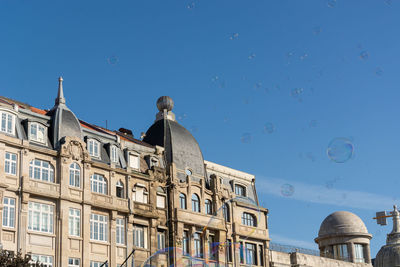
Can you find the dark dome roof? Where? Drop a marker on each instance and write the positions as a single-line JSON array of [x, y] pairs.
[[388, 256], [180, 146], [342, 223]]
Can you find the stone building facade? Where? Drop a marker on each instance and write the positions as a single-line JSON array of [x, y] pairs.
[[76, 194]]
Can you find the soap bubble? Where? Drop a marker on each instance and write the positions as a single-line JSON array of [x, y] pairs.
[[297, 93], [252, 56], [317, 30], [313, 124], [191, 5], [388, 2], [246, 138], [331, 3], [287, 190], [269, 128], [112, 60], [234, 36], [364, 55], [340, 150], [379, 71]]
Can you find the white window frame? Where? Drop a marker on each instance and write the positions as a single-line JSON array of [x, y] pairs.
[[96, 264], [196, 203], [208, 206], [41, 169], [161, 199], [44, 260], [197, 245], [75, 175], [9, 212], [243, 188], [34, 129], [182, 201], [7, 122], [98, 184], [10, 163], [140, 236], [120, 231], [251, 254], [359, 253], [134, 164], [249, 219], [114, 154], [160, 239], [74, 262], [74, 222], [93, 148], [44, 215], [140, 194], [120, 185], [98, 227]]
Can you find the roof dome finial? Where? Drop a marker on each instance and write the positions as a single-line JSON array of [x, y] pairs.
[[60, 97], [165, 102]]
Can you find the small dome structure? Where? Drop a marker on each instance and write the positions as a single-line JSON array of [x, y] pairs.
[[344, 236], [181, 148]]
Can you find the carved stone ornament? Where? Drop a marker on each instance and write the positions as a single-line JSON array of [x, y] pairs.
[[179, 241], [74, 147]]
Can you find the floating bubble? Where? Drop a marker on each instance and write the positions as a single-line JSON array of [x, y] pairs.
[[191, 5], [364, 55], [340, 150], [226, 119], [258, 85], [269, 128], [313, 124], [287, 190], [297, 93], [252, 56], [304, 56], [388, 2], [331, 3], [246, 138], [310, 156], [112, 60], [182, 116], [215, 78], [234, 36], [379, 71], [317, 30]]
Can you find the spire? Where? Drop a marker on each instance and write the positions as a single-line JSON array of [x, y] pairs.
[[60, 97], [394, 236]]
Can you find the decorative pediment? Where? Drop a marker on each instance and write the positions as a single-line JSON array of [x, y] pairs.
[[74, 148]]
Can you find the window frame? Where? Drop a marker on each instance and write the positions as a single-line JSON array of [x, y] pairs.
[[32, 209], [119, 187], [74, 222], [96, 183], [114, 158], [145, 195], [10, 164], [359, 255], [75, 175], [35, 137], [101, 225], [249, 219], [208, 207], [42, 264], [226, 212], [120, 231], [185, 242], [240, 190], [74, 264], [130, 162], [196, 203], [140, 236], [9, 210], [197, 245], [41, 169], [92, 144], [251, 253], [160, 239], [161, 197], [182, 201], [9, 126]]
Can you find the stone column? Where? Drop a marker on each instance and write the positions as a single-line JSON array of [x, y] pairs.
[[129, 240], [351, 251], [113, 233], [23, 225], [367, 253], [86, 212]]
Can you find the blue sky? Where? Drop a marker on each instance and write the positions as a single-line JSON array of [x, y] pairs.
[[315, 70]]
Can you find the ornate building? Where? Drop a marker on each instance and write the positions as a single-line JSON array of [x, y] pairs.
[[75, 194]]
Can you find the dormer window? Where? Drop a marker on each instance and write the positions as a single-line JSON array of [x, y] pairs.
[[134, 161], [37, 132], [94, 148], [7, 122], [240, 190], [114, 154]]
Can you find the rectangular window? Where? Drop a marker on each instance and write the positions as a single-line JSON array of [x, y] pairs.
[[10, 164], [44, 261], [185, 242], [251, 254], [340, 252], [261, 254], [241, 252], [140, 236], [359, 253], [114, 154], [160, 201], [229, 250], [97, 264], [120, 236], [240, 190], [160, 240], [98, 227], [37, 132], [198, 249], [74, 222], [94, 148], [134, 161], [9, 212], [74, 262], [40, 217], [7, 123], [212, 248]]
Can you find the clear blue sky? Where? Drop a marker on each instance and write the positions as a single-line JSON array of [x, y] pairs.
[[315, 70]]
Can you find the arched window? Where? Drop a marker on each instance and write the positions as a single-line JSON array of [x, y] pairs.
[[119, 189], [182, 201], [161, 196], [225, 212], [208, 207], [98, 184], [41, 170], [7, 122], [140, 194], [248, 219], [74, 175], [195, 203]]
